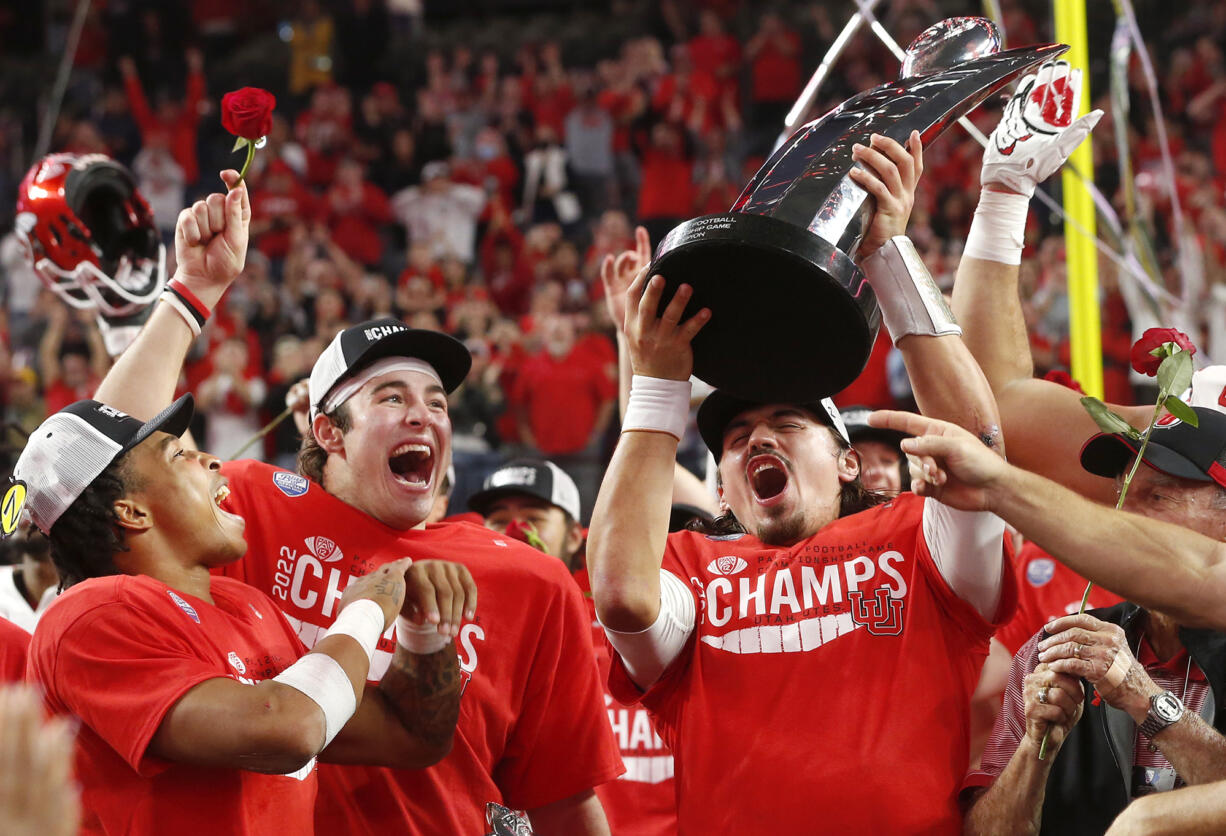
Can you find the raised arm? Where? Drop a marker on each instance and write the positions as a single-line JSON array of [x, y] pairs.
[[1036, 134], [630, 520], [1156, 564], [947, 382], [211, 249]]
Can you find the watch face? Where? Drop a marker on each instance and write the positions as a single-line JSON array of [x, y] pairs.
[[1167, 707]]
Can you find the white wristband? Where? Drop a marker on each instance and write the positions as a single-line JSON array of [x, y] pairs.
[[322, 680], [998, 228], [657, 404], [362, 621], [910, 301], [422, 639], [181, 309]]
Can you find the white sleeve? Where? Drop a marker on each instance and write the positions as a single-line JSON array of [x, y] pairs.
[[966, 547], [648, 653]]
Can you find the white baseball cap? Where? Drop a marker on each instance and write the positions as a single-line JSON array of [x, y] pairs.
[[70, 450]]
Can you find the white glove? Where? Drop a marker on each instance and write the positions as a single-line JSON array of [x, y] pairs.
[[1037, 133]]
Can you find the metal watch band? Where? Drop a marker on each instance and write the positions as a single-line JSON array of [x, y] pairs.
[[1154, 722]]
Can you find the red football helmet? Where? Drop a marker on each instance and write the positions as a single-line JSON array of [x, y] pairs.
[[89, 234]]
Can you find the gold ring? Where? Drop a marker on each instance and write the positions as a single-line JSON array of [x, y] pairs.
[[1043, 696], [1077, 650]]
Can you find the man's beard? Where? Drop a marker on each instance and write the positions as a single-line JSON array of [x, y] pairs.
[[783, 531]]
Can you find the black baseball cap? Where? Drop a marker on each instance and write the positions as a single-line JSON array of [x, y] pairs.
[[534, 477], [1175, 448], [70, 449], [855, 418], [720, 408], [359, 346]]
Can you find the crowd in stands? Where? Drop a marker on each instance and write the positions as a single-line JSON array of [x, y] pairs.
[[469, 172]]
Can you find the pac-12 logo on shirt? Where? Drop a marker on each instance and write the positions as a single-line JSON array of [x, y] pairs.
[[729, 564], [323, 548], [290, 484], [1040, 570], [183, 605]]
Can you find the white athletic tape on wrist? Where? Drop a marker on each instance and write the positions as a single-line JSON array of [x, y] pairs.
[[362, 621], [422, 639], [323, 681], [998, 228], [181, 309], [910, 301], [1118, 671], [658, 405]]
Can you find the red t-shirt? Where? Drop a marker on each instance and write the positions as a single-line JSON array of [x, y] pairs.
[[532, 729], [118, 652], [562, 398], [14, 644], [643, 802], [784, 715], [1046, 589]]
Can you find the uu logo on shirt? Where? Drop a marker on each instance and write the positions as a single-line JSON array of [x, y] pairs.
[[183, 605], [236, 662], [1040, 570], [290, 484]]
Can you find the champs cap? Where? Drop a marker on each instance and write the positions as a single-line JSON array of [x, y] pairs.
[[70, 449], [719, 408], [1175, 448], [361, 345], [534, 477], [855, 419]]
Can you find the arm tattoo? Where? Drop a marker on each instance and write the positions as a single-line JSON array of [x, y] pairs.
[[423, 690]]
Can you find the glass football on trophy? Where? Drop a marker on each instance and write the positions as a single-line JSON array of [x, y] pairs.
[[793, 317]]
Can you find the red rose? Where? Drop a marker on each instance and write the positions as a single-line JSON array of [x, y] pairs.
[[248, 112], [1141, 355], [526, 533], [1064, 379]]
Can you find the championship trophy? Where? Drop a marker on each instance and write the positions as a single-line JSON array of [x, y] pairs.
[[793, 318]]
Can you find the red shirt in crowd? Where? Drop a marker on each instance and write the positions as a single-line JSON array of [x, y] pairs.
[[561, 398], [1046, 589], [282, 209], [118, 652], [872, 387], [823, 683], [354, 220], [14, 643], [668, 186], [532, 729], [774, 72], [59, 394], [643, 801], [182, 132]]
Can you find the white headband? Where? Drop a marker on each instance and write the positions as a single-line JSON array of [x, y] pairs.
[[348, 388]]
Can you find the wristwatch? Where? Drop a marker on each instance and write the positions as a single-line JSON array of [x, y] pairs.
[[1165, 709]]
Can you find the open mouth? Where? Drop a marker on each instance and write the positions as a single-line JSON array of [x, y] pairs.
[[412, 464], [221, 494], [768, 477]]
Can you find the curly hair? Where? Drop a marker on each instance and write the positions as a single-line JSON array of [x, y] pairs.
[[312, 457], [87, 536]]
